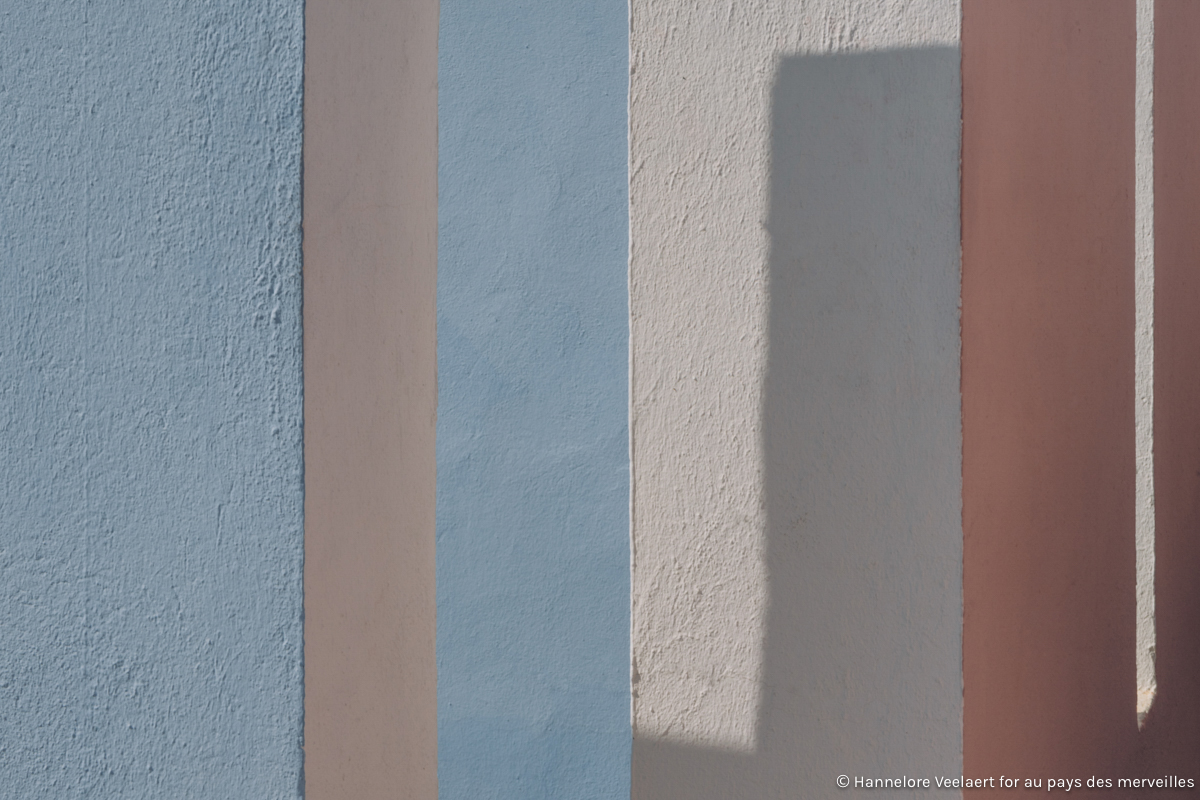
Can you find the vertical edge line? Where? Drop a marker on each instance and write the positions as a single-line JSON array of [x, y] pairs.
[[633, 672], [1147, 685]]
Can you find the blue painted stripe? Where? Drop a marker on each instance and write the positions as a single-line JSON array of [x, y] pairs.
[[532, 522], [151, 499]]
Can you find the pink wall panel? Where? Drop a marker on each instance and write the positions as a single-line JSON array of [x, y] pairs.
[[1047, 379]]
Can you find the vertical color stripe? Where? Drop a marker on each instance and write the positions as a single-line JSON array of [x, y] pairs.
[[1048, 369], [795, 401], [151, 498], [532, 447], [1144, 353], [1171, 737], [370, 381]]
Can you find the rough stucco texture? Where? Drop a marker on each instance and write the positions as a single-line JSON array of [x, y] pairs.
[[532, 437], [150, 399], [795, 409], [1172, 730]]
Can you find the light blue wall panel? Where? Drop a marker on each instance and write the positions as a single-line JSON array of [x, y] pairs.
[[150, 399], [532, 542]]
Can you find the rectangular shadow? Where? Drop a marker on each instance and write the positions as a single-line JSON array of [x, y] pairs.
[[861, 436]]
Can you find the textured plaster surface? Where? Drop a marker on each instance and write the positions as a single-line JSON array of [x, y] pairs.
[[150, 399], [1171, 737], [1143, 410], [532, 439], [370, 396], [795, 403]]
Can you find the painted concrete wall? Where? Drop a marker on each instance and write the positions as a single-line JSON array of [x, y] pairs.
[[370, 398], [795, 395], [532, 439], [150, 399], [1172, 734], [1048, 387]]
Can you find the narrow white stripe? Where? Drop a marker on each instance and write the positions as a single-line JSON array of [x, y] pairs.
[[1144, 355]]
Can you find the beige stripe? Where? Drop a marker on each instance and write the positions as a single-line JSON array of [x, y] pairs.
[[1144, 354]]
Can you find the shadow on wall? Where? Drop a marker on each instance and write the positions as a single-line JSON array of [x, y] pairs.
[[861, 435]]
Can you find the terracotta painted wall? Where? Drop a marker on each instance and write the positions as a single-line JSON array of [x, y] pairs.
[[1048, 368], [1047, 381]]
